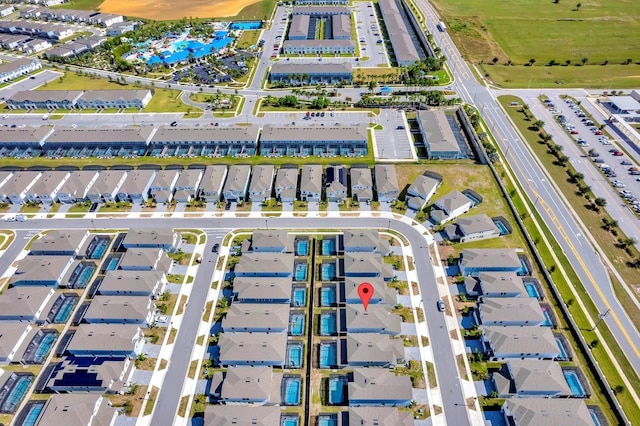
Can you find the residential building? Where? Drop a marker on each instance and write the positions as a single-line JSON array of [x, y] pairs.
[[35, 45], [262, 290], [374, 387], [266, 241], [322, 2], [26, 304], [217, 142], [237, 183], [377, 318], [265, 265], [439, 139], [311, 183], [60, 243], [105, 188], [6, 10], [121, 99], [381, 293], [212, 183], [12, 70], [530, 378], [403, 46], [325, 46], [46, 188], [12, 337], [77, 409], [362, 265], [341, 27], [132, 283], [248, 385], [386, 183], [41, 270], [365, 241], [373, 350], [286, 186], [450, 206], [224, 415], [544, 411], [37, 29], [327, 73], [186, 189], [256, 318], [320, 11], [510, 311], [166, 239], [145, 259], [472, 228], [261, 183], [76, 188], [379, 416], [361, 184], [16, 188], [348, 141], [102, 375], [44, 99], [120, 310], [500, 284], [474, 261], [106, 341], [336, 183], [114, 140], [122, 27], [161, 189], [136, 186], [422, 189], [257, 349], [519, 342], [23, 140]]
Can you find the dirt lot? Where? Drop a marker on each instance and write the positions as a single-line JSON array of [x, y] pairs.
[[172, 9]]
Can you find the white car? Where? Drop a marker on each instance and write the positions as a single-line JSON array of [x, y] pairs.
[[10, 219]]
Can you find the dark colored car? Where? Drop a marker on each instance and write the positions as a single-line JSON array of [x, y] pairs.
[[215, 248], [227, 206], [440, 305]]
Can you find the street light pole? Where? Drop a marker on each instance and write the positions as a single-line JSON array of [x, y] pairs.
[[93, 224], [601, 317]]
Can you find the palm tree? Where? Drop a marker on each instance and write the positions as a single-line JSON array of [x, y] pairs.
[[626, 242], [539, 124], [609, 224], [600, 202]]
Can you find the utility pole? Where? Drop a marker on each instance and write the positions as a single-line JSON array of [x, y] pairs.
[[600, 319]]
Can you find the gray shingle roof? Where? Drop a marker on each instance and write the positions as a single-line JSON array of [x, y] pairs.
[[490, 258], [311, 178], [437, 132], [516, 340], [376, 316], [324, 68], [273, 133], [379, 416], [531, 376], [225, 415], [265, 262], [24, 301], [253, 347], [452, 201], [76, 409], [544, 412], [265, 239], [510, 309], [501, 282], [373, 347], [247, 316], [262, 288], [68, 240], [379, 384], [475, 224], [104, 337], [253, 383], [117, 307]]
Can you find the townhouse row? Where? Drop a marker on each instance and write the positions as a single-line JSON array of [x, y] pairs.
[[91, 17], [212, 184]]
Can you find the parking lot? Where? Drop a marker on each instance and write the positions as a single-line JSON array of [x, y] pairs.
[[394, 140]]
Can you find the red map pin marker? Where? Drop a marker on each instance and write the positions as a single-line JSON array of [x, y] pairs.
[[365, 291]]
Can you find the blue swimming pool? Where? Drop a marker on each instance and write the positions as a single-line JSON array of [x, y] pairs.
[[44, 346], [328, 247], [290, 421], [303, 248], [524, 270], [65, 310], [113, 264], [34, 412], [594, 417], [292, 391], [296, 325], [328, 355], [327, 420], [328, 324], [563, 351], [328, 272], [503, 229], [294, 356], [99, 249], [328, 296], [574, 383], [301, 272], [336, 390], [17, 386], [248, 25], [299, 297], [547, 322], [532, 291], [81, 275]]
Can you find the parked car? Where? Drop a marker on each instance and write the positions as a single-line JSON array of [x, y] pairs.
[[440, 305], [626, 163], [215, 248]]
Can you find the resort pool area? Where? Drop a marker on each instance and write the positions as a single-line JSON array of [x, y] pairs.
[[328, 247], [96, 250], [328, 296], [39, 347], [574, 383], [328, 324], [294, 356], [532, 291], [328, 272], [328, 355], [336, 390], [302, 248], [247, 25], [81, 275], [299, 297], [14, 390], [291, 390], [300, 272], [296, 325]]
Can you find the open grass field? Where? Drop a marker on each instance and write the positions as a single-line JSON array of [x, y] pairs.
[[80, 5], [520, 30]]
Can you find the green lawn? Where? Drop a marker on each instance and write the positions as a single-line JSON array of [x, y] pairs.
[[261, 10], [248, 38], [81, 5], [521, 30]]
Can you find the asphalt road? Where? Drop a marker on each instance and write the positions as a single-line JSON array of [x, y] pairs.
[[454, 408], [578, 249]]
